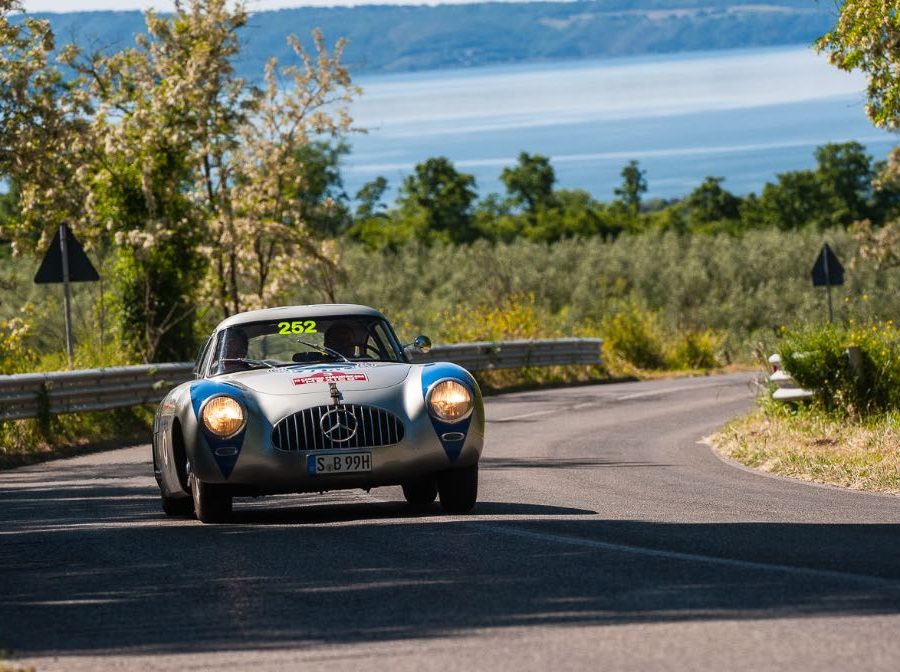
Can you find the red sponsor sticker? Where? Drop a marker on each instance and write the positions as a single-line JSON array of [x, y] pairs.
[[331, 377]]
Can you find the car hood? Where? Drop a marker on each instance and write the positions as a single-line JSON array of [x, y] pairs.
[[300, 379]]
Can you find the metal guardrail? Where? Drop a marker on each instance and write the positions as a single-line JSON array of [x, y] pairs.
[[786, 388], [30, 395], [484, 356]]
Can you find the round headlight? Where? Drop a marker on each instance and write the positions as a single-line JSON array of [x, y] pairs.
[[223, 416], [450, 401]]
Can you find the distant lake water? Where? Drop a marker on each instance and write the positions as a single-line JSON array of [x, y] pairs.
[[744, 115]]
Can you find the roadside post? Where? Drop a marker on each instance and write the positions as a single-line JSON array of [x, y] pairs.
[[827, 271], [66, 262]]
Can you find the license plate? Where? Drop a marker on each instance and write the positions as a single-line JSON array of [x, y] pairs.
[[339, 463]]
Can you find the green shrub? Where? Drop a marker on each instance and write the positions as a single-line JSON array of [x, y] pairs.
[[696, 349], [633, 335], [515, 317], [821, 359]]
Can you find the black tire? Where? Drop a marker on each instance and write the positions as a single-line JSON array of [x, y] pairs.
[[458, 489], [212, 504], [178, 507], [420, 493]]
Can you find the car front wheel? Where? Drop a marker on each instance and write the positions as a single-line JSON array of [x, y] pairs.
[[458, 489], [177, 507], [211, 503], [420, 493]]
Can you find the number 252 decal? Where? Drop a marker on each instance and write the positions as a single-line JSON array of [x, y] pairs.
[[297, 327]]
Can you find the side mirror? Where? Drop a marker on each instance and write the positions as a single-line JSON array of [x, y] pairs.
[[422, 344]]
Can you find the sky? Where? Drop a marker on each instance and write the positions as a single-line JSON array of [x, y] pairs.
[[166, 5]]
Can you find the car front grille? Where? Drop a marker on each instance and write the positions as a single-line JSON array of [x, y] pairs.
[[329, 427]]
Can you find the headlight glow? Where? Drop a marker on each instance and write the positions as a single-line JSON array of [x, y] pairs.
[[223, 416], [450, 401]]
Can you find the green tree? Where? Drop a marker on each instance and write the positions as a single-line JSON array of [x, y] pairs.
[[438, 200], [369, 198], [634, 186], [373, 225], [45, 135], [839, 191], [671, 217], [886, 185], [320, 192], [494, 221], [847, 177], [576, 215], [796, 201], [710, 207], [865, 38], [530, 183], [157, 266], [9, 206]]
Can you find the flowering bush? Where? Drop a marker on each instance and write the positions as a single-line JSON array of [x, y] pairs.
[[854, 370], [633, 335], [514, 317], [696, 349], [15, 354], [635, 338]]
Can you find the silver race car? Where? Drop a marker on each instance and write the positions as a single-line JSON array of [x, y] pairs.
[[316, 398]]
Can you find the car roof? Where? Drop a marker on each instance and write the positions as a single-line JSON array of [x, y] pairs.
[[295, 312]]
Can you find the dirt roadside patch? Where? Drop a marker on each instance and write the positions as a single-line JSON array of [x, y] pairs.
[[814, 447]]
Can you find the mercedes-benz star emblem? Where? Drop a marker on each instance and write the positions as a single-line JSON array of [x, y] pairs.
[[339, 425]]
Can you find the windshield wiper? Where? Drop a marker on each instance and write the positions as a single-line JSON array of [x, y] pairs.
[[251, 362], [324, 350]]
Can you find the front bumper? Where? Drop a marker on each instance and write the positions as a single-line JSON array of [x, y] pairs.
[[261, 468]]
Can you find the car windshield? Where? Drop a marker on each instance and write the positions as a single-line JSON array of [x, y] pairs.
[[299, 340]]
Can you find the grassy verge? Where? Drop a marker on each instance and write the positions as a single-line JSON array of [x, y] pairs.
[[25, 442], [811, 445], [7, 666]]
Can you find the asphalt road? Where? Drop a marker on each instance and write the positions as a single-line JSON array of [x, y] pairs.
[[606, 537]]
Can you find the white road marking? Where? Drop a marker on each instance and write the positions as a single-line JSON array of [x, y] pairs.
[[595, 402], [533, 414], [688, 557], [655, 393]]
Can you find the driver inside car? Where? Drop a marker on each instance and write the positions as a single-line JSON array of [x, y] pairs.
[[340, 338]]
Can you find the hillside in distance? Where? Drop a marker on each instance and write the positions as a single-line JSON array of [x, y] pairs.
[[391, 38]]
